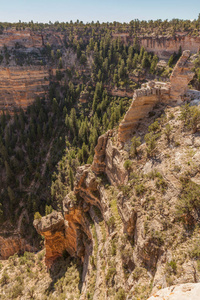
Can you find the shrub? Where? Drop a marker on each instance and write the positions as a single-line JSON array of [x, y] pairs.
[[167, 132], [111, 222], [5, 278], [154, 127], [189, 198], [111, 272], [172, 264], [127, 164], [140, 189], [161, 184], [195, 252], [150, 140], [135, 144], [37, 216], [120, 294]]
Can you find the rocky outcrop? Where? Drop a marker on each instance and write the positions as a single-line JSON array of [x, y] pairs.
[[63, 233], [181, 76], [178, 292], [144, 99], [14, 244], [108, 160], [53, 228], [19, 86]]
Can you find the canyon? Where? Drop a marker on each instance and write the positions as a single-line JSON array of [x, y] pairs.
[[113, 226], [100, 195], [20, 85]]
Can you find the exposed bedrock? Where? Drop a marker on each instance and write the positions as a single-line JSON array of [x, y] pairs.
[[108, 159], [19, 86], [165, 46], [144, 99], [14, 244], [179, 292]]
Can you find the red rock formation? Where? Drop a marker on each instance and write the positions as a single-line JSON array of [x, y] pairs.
[[52, 227], [64, 233], [98, 165], [10, 246]]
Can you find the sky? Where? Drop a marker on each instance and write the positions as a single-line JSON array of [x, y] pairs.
[[93, 10]]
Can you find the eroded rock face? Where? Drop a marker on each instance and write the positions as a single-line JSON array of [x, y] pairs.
[[10, 246], [98, 165], [108, 160], [114, 161], [144, 99], [181, 76], [165, 46], [53, 228], [19, 86], [69, 232], [179, 292]]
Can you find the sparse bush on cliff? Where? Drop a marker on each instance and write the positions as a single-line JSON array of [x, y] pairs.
[[150, 140], [120, 295], [5, 278], [167, 132], [136, 142], [189, 200], [127, 165], [37, 216]]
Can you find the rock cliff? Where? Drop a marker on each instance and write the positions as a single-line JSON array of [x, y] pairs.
[[153, 93], [166, 46], [123, 223], [19, 86]]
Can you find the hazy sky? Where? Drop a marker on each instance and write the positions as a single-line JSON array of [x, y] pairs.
[[93, 10]]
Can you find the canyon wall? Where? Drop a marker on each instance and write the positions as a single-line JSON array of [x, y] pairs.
[[19, 86], [165, 46], [144, 99], [28, 39]]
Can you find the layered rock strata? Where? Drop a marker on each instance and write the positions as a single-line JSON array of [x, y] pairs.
[[19, 86], [64, 233], [150, 94]]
